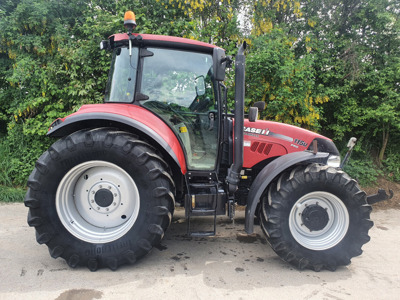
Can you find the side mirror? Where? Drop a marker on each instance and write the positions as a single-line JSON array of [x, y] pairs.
[[253, 111], [219, 64], [200, 86], [260, 105], [253, 114]]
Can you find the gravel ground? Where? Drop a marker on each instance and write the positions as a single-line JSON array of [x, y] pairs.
[[230, 265]]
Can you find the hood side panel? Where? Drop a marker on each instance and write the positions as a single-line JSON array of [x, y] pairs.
[[267, 139]]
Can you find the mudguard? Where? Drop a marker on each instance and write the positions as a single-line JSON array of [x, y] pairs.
[[127, 115], [271, 171]]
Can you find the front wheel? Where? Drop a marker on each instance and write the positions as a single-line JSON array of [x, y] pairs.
[[100, 198], [316, 217]]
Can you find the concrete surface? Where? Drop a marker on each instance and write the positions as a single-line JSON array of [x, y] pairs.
[[230, 265]]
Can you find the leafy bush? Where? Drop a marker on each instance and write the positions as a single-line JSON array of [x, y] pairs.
[[9, 194], [5, 164], [392, 166], [18, 154], [363, 170]]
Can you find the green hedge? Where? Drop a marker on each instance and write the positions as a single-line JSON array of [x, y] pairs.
[[9, 194]]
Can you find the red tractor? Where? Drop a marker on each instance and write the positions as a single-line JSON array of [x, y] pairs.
[[104, 193]]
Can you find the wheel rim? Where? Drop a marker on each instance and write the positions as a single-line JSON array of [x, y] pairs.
[[97, 202], [319, 220]]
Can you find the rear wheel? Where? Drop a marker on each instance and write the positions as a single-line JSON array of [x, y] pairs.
[[316, 217], [100, 198]]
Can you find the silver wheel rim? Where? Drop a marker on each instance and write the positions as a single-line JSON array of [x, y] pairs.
[[331, 233], [97, 202]]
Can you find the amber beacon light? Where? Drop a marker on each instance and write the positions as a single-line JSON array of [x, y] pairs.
[[130, 21]]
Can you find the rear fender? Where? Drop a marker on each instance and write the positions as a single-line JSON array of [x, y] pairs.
[[129, 117], [269, 173]]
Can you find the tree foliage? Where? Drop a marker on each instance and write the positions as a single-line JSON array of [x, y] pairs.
[[284, 82], [357, 48]]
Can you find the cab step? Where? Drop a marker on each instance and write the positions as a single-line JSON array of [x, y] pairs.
[[204, 198], [200, 206]]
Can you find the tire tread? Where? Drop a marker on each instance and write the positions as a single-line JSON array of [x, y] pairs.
[[275, 212], [157, 212]]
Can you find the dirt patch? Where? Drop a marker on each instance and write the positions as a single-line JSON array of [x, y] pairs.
[[387, 185]]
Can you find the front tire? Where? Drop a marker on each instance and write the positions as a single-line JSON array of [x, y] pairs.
[[316, 217], [100, 198]]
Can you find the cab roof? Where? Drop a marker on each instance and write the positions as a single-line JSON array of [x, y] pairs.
[[120, 39]]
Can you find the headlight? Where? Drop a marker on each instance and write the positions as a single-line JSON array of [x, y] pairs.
[[334, 161]]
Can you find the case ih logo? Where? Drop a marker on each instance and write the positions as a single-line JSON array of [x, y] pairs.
[[257, 131]]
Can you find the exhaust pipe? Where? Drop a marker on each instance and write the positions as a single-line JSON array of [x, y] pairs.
[[233, 177]]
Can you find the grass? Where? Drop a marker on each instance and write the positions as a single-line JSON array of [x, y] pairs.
[[10, 194]]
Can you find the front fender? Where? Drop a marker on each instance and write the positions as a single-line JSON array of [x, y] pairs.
[[269, 173], [128, 116]]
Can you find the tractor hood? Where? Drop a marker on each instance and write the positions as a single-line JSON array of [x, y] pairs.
[[266, 140]]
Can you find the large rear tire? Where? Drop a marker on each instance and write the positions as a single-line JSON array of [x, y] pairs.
[[100, 198], [316, 217]]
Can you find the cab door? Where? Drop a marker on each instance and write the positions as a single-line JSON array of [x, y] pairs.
[[178, 86]]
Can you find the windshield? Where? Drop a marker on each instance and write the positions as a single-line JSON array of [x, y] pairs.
[[122, 78], [171, 76]]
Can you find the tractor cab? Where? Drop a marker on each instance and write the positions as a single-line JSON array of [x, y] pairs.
[[176, 82]]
